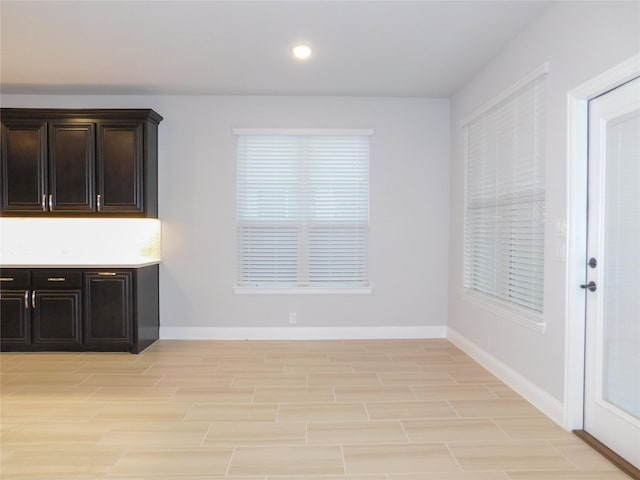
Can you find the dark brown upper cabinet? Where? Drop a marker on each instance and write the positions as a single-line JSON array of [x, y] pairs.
[[79, 162], [120, 164], [71, 167], [23, 166]]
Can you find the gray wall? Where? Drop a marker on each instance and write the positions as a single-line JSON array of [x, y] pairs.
[[579, 40], [409, 211]]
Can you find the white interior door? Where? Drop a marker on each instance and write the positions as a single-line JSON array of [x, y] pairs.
[[612, 350]]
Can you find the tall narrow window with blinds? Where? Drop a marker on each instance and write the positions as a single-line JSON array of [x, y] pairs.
[[505, 200], [303, 209]]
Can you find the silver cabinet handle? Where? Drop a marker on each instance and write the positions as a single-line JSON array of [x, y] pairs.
[[26, 300], [33, 299], [99, 200], [6, 279], [107, 274], [51, 202], [56, 279], [44, 202]]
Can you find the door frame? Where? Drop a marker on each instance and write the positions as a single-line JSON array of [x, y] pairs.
[[577, 154]]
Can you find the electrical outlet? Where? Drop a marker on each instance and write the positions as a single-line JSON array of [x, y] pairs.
[[292, 318]]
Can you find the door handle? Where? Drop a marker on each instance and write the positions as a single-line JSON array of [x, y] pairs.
[[591, 286], [26, 300], [33, 299]]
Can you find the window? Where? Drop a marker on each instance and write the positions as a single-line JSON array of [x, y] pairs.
[[303, 209], [505, 200]]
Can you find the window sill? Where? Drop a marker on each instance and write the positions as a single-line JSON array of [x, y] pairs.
[[505, 311], [302, 290]]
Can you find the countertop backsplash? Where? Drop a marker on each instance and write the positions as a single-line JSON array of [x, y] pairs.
[[79, 242]]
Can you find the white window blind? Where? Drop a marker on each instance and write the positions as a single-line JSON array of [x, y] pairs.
[[303, 210], [505, 200]]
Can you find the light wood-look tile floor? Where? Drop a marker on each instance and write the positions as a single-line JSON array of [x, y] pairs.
[[270, 410]]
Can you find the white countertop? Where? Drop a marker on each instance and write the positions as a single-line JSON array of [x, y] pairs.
[[130, 264]]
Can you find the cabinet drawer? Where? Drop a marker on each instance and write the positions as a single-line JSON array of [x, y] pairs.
[[53, 279], [14, 279]]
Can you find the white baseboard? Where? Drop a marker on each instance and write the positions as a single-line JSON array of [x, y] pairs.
[[300, 333], [544, 402]]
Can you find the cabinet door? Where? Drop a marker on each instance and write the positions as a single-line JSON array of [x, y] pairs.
[[120, 168], [56, 317], [15, 325], [23, 169], [15, 313], [71, 167], [108, 307]]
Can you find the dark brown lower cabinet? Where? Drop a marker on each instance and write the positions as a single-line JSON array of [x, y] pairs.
[[79, 309], [107, 305], [15, 318], [15, 307], [56, 301], [56, 318]]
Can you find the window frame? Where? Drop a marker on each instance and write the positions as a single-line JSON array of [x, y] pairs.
[[492, 303], [300, 288]]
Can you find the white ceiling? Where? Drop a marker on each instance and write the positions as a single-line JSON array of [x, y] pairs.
[[379, 48]]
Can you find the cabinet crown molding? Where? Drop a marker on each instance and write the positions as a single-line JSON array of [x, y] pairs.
[[83, 113]]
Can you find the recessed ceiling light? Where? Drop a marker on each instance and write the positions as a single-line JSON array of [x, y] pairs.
[[301, 52]]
